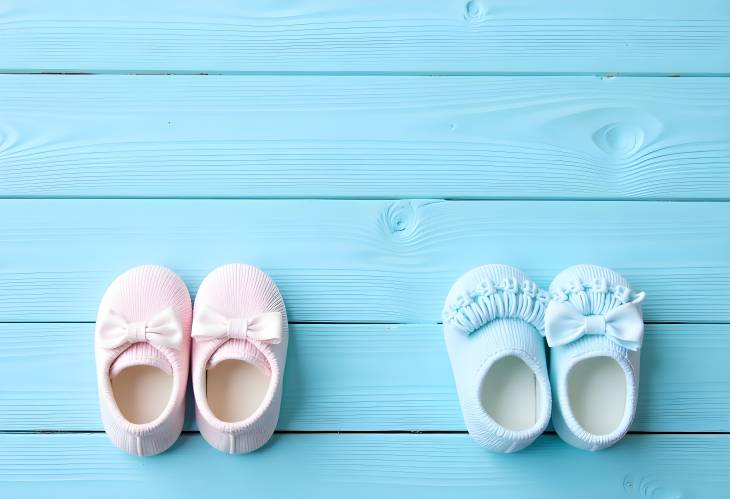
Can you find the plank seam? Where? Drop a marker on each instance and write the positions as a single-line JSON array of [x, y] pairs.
[[365, 198], [132, 72], [348, 432], [364, 323]]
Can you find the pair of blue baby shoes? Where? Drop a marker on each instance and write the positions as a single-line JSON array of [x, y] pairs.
[[495, 319]]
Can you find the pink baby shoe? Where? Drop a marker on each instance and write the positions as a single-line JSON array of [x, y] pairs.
[[240, 336], [142, 345]]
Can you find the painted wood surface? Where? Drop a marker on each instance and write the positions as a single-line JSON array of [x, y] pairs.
[[360, 261], [365, 137], [361, 377], [423, 36], [365, 154], [366, 466]]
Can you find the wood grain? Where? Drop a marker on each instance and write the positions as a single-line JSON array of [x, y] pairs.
[[365, 137], [425, 36], [316, 139], [359, 261], [352, 377], [366, 466]]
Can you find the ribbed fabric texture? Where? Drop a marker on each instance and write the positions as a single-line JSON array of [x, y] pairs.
[[239, 291], [140, 354], [140, 441], [138, 295], [239, 350], [593, 290], [493, 292], [488, 317]]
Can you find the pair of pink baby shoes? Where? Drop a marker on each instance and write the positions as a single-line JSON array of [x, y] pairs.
[[143, 349]]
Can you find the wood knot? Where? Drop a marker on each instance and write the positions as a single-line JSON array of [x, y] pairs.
[[400, 218], [620, 140], [474, 10]]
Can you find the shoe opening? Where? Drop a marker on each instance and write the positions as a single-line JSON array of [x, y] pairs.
[[597, 394], [141, 392], [236, 389], [510, 395]]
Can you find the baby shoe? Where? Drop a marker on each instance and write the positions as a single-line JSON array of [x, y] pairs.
[[142, 346], [594, 327], [493, 323], [240, 337]]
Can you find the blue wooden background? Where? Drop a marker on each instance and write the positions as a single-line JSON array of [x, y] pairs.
[[365, 153]]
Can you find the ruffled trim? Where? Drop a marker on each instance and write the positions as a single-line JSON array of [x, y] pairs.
[[508, 299], [600, 285]]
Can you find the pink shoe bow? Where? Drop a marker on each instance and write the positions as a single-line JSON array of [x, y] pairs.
[[209, 324], [164, 329]]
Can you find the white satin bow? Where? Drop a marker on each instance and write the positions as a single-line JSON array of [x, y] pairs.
[[624, 325], [209, 324], [164, 329]]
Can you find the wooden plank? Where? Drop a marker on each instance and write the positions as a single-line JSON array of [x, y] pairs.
[[365, 137], [359, 261], [352, 377], [431, 36], [366, 466]]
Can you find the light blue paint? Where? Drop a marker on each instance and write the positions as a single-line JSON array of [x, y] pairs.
[[377, 36], [327, 131], [360, 261], [365, 137], [366, 466]]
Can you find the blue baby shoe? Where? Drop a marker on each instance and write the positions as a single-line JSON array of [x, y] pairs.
[[493, 326], [594, 326]]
